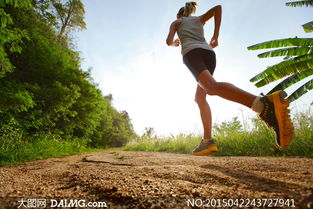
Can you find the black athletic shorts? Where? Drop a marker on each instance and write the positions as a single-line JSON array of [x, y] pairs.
[[198, 60]]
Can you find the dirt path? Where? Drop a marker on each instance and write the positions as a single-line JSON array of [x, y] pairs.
[[158, 180]]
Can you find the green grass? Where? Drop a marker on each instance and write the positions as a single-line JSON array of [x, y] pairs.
[[234, 140], [15, 149]]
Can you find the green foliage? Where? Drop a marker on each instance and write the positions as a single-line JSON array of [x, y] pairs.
[[298, 63], [308, 27], [15, 149], [15, 97], [306, 3], [301, 91], [233, 140], [291, 80], [10, 37], [181, 143], [69, 16], [48, 100], [16, 3], [304, 42], [117, 129], [227, 127], [64, 16]]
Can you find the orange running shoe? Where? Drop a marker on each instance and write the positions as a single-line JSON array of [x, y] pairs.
[[205, 148], [276, 116]]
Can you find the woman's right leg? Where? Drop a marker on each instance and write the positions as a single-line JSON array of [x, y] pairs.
[[272, 110], [225, 90]]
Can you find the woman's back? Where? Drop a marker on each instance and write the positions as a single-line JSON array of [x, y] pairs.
[[191, 34]]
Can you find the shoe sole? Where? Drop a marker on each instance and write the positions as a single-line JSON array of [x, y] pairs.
[[211, 149], [285, 125]]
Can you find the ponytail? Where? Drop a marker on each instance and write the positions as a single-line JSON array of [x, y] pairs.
[[190, 8]]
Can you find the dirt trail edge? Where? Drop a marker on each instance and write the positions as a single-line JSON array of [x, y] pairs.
[[158, 180]]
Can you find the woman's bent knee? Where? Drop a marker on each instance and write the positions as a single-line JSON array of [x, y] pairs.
[[211, 92], [211, 88]]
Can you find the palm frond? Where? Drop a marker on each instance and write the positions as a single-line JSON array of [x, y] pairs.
[[283, 43], [308, 27], [286, 65], [282, 73], [297, 63], [301, 91], [289, 52], [292, 80], [300, 3]]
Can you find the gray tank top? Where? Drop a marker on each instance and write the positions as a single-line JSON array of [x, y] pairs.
[[190, 33]]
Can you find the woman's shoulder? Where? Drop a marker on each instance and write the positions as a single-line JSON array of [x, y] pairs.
[[177, 22]]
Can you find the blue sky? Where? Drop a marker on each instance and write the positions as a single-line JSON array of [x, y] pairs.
[[124, 44]]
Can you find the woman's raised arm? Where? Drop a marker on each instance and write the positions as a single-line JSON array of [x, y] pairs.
[[215, 12]]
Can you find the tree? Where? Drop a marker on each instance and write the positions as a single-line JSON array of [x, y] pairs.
[[10, 37], [48, 92], [70, 15], [297, 64], [64, 16]]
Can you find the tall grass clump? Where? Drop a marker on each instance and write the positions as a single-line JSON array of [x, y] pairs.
[[235, 139], [181, 143], [16, 147], [303, 141]]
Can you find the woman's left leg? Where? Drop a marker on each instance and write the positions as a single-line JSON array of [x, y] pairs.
[[207, 145], [205, 112]]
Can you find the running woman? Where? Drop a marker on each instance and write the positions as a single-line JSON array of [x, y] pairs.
[[199, 57]]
